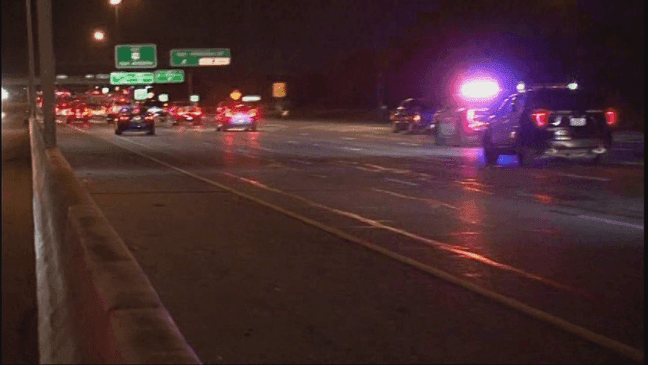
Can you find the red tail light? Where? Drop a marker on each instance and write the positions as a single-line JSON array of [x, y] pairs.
[[473, 121], [611, 117], [148, 117], [540, 117]]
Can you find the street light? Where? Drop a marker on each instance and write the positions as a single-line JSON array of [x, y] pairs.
[[99, 35], [116, 3]]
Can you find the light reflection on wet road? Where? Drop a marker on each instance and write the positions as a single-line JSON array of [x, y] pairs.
[[560, 236]]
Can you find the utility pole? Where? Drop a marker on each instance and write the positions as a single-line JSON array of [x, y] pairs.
[[31, 94], [47, 69]]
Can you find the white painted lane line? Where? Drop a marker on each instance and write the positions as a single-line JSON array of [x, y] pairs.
[[265, 149], [348, 138], [409, 144], [402, 182], [352, 148], [292, 142], [574, 176], [632, 163], [426, 200], [301, 162], [558, 322], [610, 221]]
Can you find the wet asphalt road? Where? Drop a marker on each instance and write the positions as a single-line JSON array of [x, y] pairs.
[[279, 275]]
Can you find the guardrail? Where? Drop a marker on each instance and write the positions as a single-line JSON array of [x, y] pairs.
[[95, 304]]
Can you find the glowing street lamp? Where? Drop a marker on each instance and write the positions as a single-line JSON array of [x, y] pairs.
[[99, 35], [5, 94]]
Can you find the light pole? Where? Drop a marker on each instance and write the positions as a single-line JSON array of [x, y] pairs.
[[116, 3], [47, 69], [31, 95]]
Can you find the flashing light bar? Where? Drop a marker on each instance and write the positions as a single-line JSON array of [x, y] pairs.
[[480, 89]]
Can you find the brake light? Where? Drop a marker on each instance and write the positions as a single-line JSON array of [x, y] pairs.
[[611, 116], [540, 117], [229, 113], [148, 117], [253, 112], [123, 117], [197, 111]]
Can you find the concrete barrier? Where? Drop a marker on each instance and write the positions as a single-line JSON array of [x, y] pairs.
[[95, 304]]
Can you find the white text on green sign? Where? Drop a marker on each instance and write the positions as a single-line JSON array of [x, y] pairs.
[[136, 56], [200, 57], [132, 78], [169, 76]]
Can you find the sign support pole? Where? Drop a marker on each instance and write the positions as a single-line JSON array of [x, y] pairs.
[[190, 81], [47, 70]]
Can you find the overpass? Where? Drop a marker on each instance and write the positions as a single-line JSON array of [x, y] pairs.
[[69, 80]]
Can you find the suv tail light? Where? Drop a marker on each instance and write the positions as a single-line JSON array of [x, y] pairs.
[[611, 117], [197, 111], [540, 117]]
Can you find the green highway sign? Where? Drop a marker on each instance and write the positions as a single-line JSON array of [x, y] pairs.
[[140, 94], [132, 78], [194, 98], [169, 76], [135, 56], [163, 98], [200, 57]]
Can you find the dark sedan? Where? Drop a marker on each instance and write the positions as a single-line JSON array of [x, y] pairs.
[[238, 115], [459, 125], [78, 112], [134, 119], [413, 115]]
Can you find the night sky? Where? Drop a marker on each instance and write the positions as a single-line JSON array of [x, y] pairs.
[[336, 49]]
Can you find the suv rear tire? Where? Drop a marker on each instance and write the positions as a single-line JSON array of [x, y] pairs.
[[490, 152], [526, 156]]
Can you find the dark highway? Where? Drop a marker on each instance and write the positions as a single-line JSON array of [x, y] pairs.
[[339, 242]]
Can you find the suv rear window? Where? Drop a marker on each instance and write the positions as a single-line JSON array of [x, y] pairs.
[[562, 99]]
